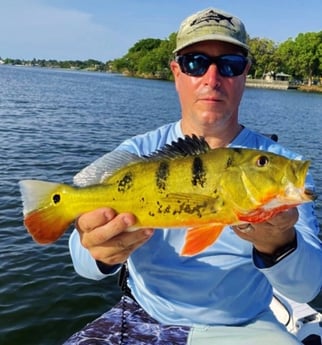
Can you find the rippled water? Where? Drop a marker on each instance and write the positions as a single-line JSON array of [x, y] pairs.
[[53, 123]]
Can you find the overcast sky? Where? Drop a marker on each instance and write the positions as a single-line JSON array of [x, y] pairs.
[[106, 29]]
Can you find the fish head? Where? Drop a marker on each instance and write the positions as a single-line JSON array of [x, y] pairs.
[[264, 180]]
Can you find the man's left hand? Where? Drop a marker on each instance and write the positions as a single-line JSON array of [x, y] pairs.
[[267, 237]]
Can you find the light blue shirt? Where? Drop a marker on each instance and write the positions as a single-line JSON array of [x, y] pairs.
[[225, 284]]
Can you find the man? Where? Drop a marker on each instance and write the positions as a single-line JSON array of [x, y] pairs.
[[222, 295]]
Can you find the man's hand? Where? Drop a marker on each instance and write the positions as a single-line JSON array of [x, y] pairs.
[[104, 233], [269, 236]]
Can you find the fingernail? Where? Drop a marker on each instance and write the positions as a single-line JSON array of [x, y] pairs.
[[127, 221], [148, 232], [109, 214]]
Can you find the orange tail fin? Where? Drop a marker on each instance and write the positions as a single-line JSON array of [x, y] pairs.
[[44, 217], [44, 227]]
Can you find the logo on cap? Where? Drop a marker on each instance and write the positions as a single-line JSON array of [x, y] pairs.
[[212, 15]]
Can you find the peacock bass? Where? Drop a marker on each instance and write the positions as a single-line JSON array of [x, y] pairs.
[[186, 184]]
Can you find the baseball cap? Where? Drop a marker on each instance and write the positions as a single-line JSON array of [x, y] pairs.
[[211, 24]]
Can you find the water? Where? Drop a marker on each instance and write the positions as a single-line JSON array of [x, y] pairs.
[[55, 122]]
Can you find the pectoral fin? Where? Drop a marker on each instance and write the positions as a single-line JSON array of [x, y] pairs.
[[199, 238]]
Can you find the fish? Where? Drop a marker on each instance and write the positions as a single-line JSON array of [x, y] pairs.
[[186, 184]]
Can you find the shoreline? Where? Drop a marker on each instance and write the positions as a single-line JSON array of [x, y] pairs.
[[312, 88], [281, 85]]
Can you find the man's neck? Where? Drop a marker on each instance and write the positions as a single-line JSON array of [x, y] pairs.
[[215, 137]]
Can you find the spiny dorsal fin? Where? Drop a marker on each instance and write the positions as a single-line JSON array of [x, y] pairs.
[[105, 166], [187, 146]]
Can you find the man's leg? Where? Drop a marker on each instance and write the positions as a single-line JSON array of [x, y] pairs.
[[127, 323], [265, 330]]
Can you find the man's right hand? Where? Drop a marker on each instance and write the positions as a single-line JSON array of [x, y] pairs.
[[104, 233]]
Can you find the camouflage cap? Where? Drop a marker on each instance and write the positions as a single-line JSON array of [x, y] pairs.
[[211, 24]]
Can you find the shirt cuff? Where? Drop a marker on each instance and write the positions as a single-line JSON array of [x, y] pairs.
[[263, 260]]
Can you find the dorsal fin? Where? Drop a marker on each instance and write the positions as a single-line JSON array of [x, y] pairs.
[[105, 166], [187, 146]]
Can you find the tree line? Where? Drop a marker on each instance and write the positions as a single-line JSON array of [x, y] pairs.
[[300, 57], [149, 58], [90, 64]]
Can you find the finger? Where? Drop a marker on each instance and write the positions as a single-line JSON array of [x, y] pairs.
[[93, 219], [118, 249], [285, 218], [244, 228], [109, 230], [130, 240]]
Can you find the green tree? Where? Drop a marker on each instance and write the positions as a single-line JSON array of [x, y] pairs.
[[147, 58], [286, 57], [302, 57], [145, 45], [307, 48], [262, 53]]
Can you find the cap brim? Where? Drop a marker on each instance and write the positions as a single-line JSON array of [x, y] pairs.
[[212, 37]]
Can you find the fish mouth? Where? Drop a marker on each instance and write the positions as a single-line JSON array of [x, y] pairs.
[[298, 190], [295, 195]]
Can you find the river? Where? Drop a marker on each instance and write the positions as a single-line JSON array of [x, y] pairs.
[[55, 122]]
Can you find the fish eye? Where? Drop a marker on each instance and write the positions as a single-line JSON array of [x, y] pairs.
[[56, 198], [262, 161]]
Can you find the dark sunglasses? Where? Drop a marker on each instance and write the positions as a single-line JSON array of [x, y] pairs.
[[197, 64]]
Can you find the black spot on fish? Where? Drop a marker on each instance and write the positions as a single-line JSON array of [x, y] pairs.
[[198, 172], [56, 198], [163, 209], [125, 183], [229, 162], [162, 175], [197, 209], [189, 209]]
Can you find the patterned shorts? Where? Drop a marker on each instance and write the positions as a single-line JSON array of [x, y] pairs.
[[128, 324]]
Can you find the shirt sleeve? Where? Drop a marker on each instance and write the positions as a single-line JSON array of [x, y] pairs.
[[299, 275], [84, 263]]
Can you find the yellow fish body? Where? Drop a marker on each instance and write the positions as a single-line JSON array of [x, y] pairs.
[[187, 184]]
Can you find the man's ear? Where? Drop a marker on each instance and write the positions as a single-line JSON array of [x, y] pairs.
[[175, 68]]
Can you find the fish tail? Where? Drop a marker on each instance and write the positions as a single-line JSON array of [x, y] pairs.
[[44, 217]]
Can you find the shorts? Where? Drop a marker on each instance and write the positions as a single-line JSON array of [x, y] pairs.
[[128, 324]]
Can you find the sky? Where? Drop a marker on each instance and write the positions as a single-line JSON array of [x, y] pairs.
[[105, 29]]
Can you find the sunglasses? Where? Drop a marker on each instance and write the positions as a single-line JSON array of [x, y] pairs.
[[197, 64]]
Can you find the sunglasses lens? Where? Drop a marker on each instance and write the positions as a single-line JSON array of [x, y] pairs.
[[231, 65], [197, 65]]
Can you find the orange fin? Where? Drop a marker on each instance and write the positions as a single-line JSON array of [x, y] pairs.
[[44, 219], [44, 227], [199, 238]]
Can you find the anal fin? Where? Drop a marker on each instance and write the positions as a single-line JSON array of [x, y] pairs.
[[199, 238]]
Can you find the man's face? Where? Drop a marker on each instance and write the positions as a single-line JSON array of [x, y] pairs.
[[210, 99]]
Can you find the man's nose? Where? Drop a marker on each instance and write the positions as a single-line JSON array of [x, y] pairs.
[[212, 77]]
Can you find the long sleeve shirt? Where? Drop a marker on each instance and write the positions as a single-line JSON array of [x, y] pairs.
[[226, 284]]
